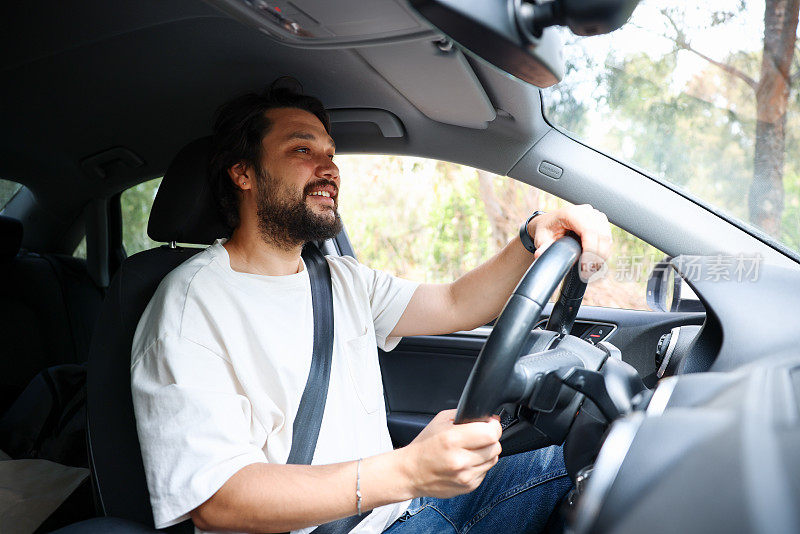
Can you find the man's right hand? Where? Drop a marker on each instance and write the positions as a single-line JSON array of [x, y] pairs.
[[446, 459], [443, 461]]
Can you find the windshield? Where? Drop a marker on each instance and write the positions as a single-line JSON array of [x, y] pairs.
[[697, 94]]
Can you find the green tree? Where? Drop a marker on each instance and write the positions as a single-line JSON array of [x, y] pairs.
[[728, 134], [7, 191], [136, 204], [771, 90]]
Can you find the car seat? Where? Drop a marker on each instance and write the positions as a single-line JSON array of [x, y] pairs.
[[48, 308], [184, 211]]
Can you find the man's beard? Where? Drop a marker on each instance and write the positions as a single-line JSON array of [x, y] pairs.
[[286, 220]]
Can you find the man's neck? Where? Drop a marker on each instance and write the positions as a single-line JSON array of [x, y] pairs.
[[250, 253]]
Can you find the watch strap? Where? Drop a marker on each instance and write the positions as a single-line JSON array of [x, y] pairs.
[[525, 237]]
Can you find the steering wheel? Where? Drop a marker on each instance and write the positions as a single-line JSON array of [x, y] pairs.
[[501, 377]]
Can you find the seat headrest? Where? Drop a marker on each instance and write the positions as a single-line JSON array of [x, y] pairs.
[[185, 209], [10, 237]]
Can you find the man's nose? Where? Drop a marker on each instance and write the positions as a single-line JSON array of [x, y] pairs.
[[328, 169]]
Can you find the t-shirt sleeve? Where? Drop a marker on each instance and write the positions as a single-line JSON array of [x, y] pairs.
[[388, 296], [195, 426]]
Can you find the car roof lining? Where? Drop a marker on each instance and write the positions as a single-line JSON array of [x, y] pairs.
[[150, 80], [326, 24]]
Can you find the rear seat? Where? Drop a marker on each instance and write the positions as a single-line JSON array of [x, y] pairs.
[[48, 308]]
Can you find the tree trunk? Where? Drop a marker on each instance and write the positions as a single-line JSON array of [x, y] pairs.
[[772, 97], [494, 211]]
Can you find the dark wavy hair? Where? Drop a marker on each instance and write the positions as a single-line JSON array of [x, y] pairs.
[[239, 127]]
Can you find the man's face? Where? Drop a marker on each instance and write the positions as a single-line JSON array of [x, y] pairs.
[[297, 184]]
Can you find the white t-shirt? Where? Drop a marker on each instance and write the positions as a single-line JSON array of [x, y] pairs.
[[220, 360]]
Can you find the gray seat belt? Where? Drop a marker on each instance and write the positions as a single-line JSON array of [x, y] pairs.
[[308, 420]]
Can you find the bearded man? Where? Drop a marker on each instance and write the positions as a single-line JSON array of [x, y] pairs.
[[222, 353]]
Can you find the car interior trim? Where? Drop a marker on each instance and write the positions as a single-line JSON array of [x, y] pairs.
[[673, 340], [609, 460], [746, 228], [384, 22], [484, 331], [661, 396], [402, 64], [387, 123], [593, 178]]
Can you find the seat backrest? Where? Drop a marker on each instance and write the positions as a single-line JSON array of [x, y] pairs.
[[184, 210], [48, 306], [114, 452]]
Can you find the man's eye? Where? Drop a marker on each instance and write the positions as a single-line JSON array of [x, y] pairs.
[[330, 156], [303, 149]]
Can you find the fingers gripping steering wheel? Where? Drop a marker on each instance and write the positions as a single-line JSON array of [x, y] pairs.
[[499, 375]]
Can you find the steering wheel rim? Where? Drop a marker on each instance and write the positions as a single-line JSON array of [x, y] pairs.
[[493, 369]]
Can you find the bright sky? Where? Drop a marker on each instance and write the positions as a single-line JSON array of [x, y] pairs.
[[644, 33]]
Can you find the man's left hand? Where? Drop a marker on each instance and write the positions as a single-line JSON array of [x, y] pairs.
[[589, 224]]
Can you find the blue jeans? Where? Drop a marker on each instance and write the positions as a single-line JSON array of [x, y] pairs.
[[517, 495]]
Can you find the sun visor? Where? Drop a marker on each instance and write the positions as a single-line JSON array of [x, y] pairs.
[[436, 78], [427, 69]]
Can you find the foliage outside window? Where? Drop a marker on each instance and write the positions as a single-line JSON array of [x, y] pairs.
[[136, 204], [432, 221], [80, 250], [700, 94], [7, 191]]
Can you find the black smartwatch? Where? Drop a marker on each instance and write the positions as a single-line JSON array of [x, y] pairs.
[[525, 237]]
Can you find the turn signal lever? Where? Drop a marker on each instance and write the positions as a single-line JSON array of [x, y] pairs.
[[612, 388], [548, 389], [539, 380]]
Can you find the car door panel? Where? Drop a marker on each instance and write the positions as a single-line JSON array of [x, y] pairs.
[[426, 374]]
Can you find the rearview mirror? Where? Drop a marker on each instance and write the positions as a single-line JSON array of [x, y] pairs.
[[517, 36]]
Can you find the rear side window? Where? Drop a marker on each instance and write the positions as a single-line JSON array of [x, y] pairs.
[[136, 204], [7, 191]]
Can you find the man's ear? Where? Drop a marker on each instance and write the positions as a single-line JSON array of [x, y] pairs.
[[241, 176]]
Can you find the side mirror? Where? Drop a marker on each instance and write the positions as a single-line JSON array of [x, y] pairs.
[[517, 36], [666, 290]]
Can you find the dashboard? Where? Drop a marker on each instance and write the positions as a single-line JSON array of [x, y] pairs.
[[717, 448]]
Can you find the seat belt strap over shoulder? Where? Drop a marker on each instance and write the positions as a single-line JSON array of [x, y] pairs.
[[308, 420]]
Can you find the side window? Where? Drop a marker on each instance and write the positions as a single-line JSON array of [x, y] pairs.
[[7, 191], [80, 250], [432, 221], [136, 203]]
